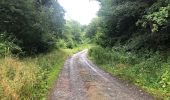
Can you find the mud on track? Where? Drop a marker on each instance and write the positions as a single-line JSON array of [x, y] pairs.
[[80, 79]]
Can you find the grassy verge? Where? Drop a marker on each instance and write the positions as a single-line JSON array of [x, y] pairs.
[[59, 63], [32, 78], [151, 71]]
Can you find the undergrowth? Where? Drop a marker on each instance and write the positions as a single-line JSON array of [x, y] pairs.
[[31, 78], [149, 70]]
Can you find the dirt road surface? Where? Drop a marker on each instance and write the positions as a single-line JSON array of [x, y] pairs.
[[80, 79]]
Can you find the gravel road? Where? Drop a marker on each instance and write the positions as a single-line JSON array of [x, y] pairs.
[[80, 79]]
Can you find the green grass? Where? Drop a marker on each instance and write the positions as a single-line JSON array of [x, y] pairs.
[[32, 77], [151, 71], [53, 75]]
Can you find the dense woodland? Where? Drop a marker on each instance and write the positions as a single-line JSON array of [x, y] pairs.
[[136, 24], [35, 26], [30, 26], [32, 35], [131, 40]]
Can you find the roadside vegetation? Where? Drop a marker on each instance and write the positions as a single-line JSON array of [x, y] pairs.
[[132, 42], [32, 77], [35, 40], [148, 70], [28, 78], [131, 36]]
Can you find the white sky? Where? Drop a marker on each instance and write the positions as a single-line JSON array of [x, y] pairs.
[[82, 11]]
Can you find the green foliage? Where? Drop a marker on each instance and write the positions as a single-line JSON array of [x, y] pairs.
[[150, 71], [17, 79], [118, 20], [70, 44], [35, 24], [165, 77], [73, 34], [92, 28], [61, 44], [7, 45], [141, 28], [32, 77], [156, 19], [29, 78], [141, 21]]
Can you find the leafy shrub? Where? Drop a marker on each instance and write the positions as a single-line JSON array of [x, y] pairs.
[[98, 53], [32, 22], [7, 45], [70, 44], [29, 78], [158, 19], [61, 43], [149, 70], [165, 77]]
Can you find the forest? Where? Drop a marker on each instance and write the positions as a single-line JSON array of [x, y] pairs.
[[133, 40], [32, 35], [129, 39]]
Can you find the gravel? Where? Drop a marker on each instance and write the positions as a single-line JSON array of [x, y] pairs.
[[80, 79]]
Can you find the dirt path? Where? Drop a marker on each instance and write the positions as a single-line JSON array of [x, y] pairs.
[[82, 80]]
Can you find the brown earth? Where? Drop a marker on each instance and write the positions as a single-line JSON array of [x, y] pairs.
[[80, 79]]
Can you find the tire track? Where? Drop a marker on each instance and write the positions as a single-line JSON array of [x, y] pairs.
[[82, 80]]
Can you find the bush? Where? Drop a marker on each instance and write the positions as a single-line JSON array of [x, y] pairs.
[[34, 23], [31, 77], [165, 77], [7, 45], [70, 44], [148, 70], [61, 43]]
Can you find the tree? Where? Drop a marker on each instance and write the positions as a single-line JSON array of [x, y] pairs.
[[122, 20], [35, 23], [92, 28], [73, 33]]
